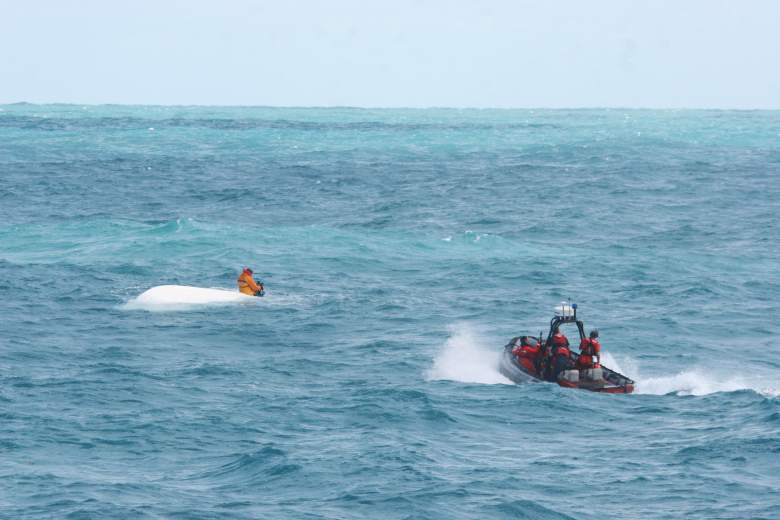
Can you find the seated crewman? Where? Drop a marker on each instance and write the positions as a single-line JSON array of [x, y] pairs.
[[247, 284]]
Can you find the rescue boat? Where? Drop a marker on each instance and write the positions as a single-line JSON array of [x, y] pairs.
[[531, 358]]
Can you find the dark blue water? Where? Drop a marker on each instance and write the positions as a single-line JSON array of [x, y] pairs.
[[400, 250]]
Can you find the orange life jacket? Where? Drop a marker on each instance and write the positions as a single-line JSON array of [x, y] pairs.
[[526, 351], [247, 284], [589, 348], [526, 356]]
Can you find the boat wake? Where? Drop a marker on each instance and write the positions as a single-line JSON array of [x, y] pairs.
[[184, 297], [467, 359], [697, 381]]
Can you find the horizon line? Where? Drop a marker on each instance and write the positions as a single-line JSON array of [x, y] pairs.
[[389, 107]]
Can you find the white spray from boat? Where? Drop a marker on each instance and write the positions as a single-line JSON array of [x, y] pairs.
[[464, 357]]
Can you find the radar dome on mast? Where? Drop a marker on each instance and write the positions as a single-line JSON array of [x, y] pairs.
[[566, 309]]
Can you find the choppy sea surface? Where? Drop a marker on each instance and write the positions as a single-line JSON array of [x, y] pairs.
[[400, 250]]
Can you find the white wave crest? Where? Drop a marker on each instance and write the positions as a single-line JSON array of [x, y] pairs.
[[467, 359], [184, 297]]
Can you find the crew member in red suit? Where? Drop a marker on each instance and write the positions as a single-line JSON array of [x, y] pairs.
[[559, 339], [589, 351], [561, 356], [527, 354]]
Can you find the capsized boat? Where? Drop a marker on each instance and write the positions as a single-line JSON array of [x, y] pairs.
[[529, 358]]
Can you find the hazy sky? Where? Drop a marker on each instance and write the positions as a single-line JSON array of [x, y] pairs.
[[480, 53]]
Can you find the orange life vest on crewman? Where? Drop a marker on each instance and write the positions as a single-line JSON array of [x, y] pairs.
[[527, 355], [559, 340], [247, 284], [589, 347]]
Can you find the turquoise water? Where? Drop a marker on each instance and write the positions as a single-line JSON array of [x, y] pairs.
[[400, 249]]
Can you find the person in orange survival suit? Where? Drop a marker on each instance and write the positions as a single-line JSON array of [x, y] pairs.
[[590, 349], [527, 354], [247, 284]]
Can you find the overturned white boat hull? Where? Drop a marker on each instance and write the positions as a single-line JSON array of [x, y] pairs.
[[184, 296]]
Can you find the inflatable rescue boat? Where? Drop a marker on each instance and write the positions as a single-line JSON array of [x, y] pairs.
[[530, 358]]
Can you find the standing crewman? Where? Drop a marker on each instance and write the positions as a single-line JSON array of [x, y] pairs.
[[561, 355], [248, 285], [559, 339], [557, 356], [589, 351]]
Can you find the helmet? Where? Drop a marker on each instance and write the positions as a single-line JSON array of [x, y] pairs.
[[248, 270], [594, 333]]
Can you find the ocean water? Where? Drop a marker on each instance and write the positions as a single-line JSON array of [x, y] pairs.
[[400, 250]]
